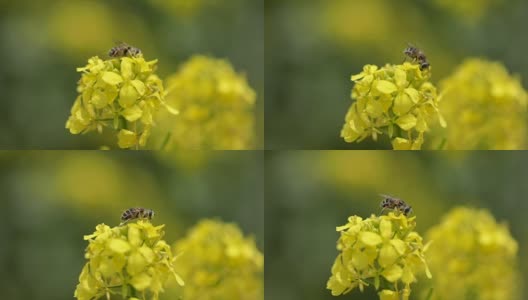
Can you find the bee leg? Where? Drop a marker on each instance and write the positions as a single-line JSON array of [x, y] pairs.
[[381, 212]]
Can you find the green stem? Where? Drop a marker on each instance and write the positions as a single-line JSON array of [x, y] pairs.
[[136, 132], [166, 141], [429, 294], [133, 292]]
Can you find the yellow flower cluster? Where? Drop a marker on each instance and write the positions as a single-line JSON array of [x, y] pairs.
[[475, 255], [397, 100], [216, 106], [383, 251], [119, 93], [218, 262], [126, 260], [484, 106], [469, 10]]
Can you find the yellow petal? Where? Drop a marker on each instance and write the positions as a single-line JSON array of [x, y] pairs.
[[132, 113], [128, 95], [144, 136], [118, 245], [401, 144], [370, 238], [126, 67], [387, 256], [388, 295], [392, 273], [141, 281], [386, 228], [360, 260], [386, 87], [402, 104], [112, 78], [399, 245], [136, 263], [147, 253], [400, 77], [139, 85], [134, 235], [126, 139], [413, 94], [406, 122], [374, 108]]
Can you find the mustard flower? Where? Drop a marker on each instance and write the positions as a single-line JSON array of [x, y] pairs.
[[130, 261], [474, 255], [121, 94], [216, 106], [484, 106], [383, 251], [218, 262], [397, 100]]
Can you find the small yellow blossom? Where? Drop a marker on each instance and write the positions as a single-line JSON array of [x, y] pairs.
[[382, 251], [485, 107], [121, 94], [474, 255], [216, 106], [126, 260], [396, 100], [218, 262]]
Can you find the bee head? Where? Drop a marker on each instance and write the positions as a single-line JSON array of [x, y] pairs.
[[151, 214], [407, 210], [134, 51], [424, 65]]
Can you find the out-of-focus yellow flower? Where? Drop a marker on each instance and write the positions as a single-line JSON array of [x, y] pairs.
[[183, 8], [121, 94], [126, 260], [474, 255], [382, 251], [484, 106], [218, 262], [468, 10], [216, 107], [397, 100]]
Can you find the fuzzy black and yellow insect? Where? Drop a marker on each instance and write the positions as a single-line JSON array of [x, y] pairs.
[[136, 213], [396, 204]]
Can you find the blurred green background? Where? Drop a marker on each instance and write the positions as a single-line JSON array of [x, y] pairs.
[[43, 42], [309, 193], [52, 199], [313, 47]]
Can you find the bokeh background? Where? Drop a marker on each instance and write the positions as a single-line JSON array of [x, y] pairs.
[[43, 42], [313, 47], [52, 199], [309, 193]]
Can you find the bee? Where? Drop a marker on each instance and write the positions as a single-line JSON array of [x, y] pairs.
[[390, 202], [136, 213], [417, 56], [124, 49]]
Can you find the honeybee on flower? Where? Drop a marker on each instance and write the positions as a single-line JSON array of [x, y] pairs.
[[136, 213], [393, 203]]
